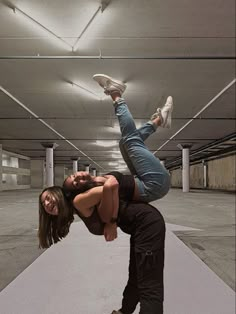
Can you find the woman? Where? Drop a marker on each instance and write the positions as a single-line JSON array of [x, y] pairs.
[[55, 216], [142, 221], [151, 180]]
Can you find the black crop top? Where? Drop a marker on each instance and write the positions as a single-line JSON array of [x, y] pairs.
[[126, 191], [126, 185], [93, 222]]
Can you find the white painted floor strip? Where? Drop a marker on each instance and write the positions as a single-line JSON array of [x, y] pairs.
[[85, 275]]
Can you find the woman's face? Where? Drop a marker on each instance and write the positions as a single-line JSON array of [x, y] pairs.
[[78, 179], [49, 203]]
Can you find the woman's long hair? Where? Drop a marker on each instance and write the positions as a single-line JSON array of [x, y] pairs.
[[53, 228]]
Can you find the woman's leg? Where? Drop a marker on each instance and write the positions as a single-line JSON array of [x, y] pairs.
[[151, 177], [130, 294], [149, 239], [126, 158], [144, 132]]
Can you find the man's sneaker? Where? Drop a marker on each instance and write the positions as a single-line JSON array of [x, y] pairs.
[[165, 113], [116, 312], [109, 84]]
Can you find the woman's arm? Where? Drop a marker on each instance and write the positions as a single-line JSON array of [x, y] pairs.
[[107, 208], [109, 205], [84, 201]]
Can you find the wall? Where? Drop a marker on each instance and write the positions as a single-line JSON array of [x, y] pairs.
[[197, 176], [176, 178], [37, 169], [15, 171], [220, 175]]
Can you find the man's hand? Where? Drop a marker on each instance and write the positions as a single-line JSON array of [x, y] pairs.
[[110, 231]]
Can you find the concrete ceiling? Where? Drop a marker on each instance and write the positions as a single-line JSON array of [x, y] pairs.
[[181, 48]]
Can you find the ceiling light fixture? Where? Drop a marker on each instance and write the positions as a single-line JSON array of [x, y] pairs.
[[101, 9], [116, 156], [121, 168], [43, 28], [116, 152], [113, 163], [106, 143]]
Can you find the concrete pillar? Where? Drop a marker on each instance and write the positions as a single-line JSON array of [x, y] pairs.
[[204, 174], [37, 173], [94, 172], [87, 167], [185, 165], [75, 164], [49, 167], [49, 163], [0, 167], [59, 174]]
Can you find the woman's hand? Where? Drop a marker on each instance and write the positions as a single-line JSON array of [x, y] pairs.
[[110, 231], [111, 182]]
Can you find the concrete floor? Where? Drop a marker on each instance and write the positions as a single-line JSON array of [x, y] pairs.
[[211, 212]]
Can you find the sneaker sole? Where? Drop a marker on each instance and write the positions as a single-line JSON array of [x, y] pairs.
[[168, 119], [103, 79]]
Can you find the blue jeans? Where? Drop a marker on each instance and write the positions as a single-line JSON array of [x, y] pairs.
[[151, 177]]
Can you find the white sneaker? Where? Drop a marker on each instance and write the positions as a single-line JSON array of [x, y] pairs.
[[109, 84], [165, 113]]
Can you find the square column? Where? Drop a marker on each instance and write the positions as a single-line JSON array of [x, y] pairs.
[[87, 167], [185, 164], [94, 172], [49, 163], [75, 164]]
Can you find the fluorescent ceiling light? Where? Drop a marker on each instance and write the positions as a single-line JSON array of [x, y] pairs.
[[115, 156], [106, 143], [116, 152], [86, 90], [43, 28], [116, 127], [101, 8], [121, 169], [113, 164]]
